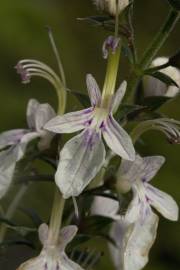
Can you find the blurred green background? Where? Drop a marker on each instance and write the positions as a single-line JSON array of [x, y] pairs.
[[23, 35]]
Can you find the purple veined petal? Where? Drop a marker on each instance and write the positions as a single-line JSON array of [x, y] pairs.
[[70, 122], [93, 90], [118, 96], [143, 169], [44, 113], [32, 107], [162, 202], [151, 165], [80, 160], [118, 139], [66, 236], [11, 137]]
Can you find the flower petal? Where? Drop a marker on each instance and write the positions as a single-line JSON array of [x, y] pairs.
[[32, 107], [163, 203], [106, 207], [43, 233], [93, 90], [118, 139], [118, 97], [70, 122], [67, 264], [80, 160], [21, 146], [11, 137], [44, 113], [66, 235], [139, 242], [141, 169], [133, 242], [134, 208]]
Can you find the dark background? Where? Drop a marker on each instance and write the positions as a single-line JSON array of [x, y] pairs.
[[23, 35]]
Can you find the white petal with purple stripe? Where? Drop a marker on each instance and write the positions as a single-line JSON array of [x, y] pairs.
[[80, 160]]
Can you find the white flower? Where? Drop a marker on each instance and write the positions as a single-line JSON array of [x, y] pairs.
[[83, 156], [110, 5], [107, 207], [155, 87], [17, 140], [53, 257], [132, 240], [138, 174]]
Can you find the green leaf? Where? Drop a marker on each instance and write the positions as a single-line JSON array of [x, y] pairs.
[[163, 77], [175, 4], [129, 112], [96, 224], [175, 60], [82, 98], [155, 102], [16, 242], [31, 213], [22, 230]]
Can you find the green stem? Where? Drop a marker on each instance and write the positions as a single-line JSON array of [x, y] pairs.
[[56, 217], [151, 52], [11, 210], [111, 76]]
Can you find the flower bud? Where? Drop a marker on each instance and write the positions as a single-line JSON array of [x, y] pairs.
[[110, 5], [155, 87]]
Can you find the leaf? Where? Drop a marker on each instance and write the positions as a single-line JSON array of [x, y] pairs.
[[107, 22], [96, 224], [163, 77], [22, 230], [7, 221], [175, 60], [82, 98], [33, 216], [155, 102], [16, 242], [129, 111], [175, 4]]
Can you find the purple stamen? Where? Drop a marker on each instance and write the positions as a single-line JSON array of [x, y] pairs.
[[111, 43], [25, 76]]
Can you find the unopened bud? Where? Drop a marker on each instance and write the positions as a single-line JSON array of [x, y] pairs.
[[155, 87], [110, 5]]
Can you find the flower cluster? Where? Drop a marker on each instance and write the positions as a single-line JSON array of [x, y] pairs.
[[81, 164], [13, 143]]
